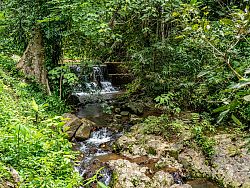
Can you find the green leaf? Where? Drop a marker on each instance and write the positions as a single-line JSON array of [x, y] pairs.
[[247, 98], [236, 120], [220, 109], [101, 185], [202, 73], [226, 21], [34, 105], [193, 2], [222, 115]]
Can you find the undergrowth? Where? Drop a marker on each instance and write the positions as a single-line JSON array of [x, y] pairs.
[[31, 140], [200, 129]]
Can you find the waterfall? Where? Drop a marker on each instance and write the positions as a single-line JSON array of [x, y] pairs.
[[98, 74], [97, 84]]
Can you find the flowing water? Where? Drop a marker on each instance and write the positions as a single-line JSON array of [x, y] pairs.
[[96, 150], [96, 146], [96, 89]]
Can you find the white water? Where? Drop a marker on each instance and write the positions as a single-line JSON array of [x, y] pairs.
[[93, 89], [91, 150], [99, 137]]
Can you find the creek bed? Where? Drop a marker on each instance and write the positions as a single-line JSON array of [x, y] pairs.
[[97, 149]]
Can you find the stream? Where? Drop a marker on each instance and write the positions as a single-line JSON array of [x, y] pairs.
[[97, 149]]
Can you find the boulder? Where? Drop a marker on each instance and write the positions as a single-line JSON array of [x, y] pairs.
[[129, 175], [72, 123], [162, 179], [124, 113], [195, 162], [134, 119], [230, 165], [83, 132], [135, 108], [76, 127], [117, 110], [73, 100]]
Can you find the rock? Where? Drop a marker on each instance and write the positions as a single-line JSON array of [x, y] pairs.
[[136, 108], [84, 130], [15, 175], [129, 175], [195, 162], [72, 123], [162, 179], [170, 164], [124, 113], [230, 165], [231, 162], [246, 184], [74, 126], [181, 186], [117, 116], [134, 119], [7, 184], [117, 110], [13, 181]]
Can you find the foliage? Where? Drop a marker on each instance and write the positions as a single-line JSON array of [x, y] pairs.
[[94, 179], [106, 108], [188, 55], [202, 130], [63, 80], [38, 150], [167, 101], [161, 126]]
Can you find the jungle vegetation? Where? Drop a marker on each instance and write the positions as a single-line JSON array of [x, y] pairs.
[[186, 54]]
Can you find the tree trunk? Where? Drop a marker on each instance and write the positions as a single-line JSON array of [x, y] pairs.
[[32, 62]]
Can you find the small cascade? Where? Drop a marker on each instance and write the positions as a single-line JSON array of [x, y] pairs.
[[96, 85], [91, 87], [107, 87], [91, 149], [99, 137], [98, 74]]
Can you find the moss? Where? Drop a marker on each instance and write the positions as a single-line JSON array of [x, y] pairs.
[[151, 151]]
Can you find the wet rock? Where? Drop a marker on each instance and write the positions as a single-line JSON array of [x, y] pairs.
[[73, 100], [74, 126], [202, 182], [124, 113], [83, 132], [72, 123]]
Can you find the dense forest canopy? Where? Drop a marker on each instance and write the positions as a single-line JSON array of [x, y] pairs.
[[195, 51]]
